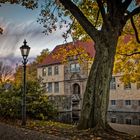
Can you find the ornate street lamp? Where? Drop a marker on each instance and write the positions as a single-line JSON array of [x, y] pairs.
[[24, 52]]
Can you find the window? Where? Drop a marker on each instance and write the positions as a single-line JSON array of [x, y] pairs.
[[56, 70], [50, 87], [43, 71], [49, 70], [113, 83], [56, 87], [113, 102], [113, 120], [72, 67], [128, 121], [75, 67], [127, 102], [127, 86]]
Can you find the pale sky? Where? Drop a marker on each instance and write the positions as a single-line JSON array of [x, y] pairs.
[[19, 24]]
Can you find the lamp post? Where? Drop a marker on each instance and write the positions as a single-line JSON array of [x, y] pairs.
[[24, 52]]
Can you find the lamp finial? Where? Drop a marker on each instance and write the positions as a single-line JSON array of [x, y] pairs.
[[25, 42]]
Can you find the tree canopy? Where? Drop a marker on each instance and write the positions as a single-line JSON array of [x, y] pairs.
[[44, 53]]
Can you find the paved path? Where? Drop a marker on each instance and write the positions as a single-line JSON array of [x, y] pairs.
[[8, 132], [130, 129]]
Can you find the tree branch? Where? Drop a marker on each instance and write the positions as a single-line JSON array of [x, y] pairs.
[[65, 34], [131, 14], [80, 17], [101, 7], [135, 29]]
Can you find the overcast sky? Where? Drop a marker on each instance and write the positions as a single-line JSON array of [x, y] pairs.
[[19, 24]]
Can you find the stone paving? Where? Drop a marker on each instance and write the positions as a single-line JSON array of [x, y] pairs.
[[8, 132]]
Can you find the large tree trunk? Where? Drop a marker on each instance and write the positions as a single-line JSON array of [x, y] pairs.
[[96, 96]]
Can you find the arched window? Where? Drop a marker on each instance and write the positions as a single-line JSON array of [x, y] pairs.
[[76, 89]]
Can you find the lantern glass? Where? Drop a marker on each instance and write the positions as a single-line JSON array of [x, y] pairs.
[[25, 50]]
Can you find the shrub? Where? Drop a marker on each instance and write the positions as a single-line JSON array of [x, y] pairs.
[[38, 105], [10, 105]]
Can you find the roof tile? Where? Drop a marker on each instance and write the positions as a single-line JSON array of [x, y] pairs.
[[51, 60]]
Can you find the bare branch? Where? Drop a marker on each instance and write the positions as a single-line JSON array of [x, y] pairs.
[[80, 17], [69, 31], [135, 29]]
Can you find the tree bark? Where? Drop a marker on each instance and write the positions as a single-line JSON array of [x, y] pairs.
[[96, 96]]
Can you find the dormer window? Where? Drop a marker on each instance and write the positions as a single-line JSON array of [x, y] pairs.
[[75, 67]]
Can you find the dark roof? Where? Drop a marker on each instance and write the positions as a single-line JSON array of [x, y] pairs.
[[88, 47]]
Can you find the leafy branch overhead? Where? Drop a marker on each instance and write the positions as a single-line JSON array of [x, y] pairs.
[[87, 13]]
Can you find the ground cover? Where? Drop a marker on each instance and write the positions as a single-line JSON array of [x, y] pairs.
[[70, 132]]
